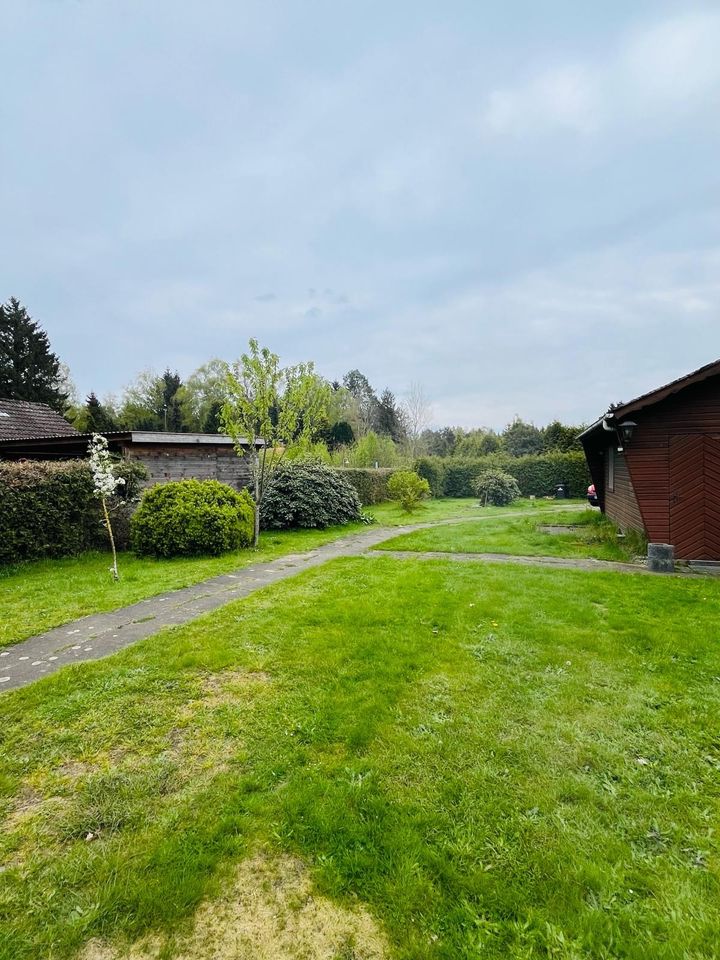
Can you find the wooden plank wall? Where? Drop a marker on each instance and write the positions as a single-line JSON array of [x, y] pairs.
[[196, 461], [695, 410], [621, 504]]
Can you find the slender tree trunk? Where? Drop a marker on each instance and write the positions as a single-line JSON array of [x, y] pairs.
[[114, 567], [256, 472]]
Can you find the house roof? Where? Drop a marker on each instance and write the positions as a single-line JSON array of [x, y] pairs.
[[72, 444], [615, 414], [21, 419]]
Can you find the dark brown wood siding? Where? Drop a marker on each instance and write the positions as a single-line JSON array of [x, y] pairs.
[[621, 503], [198, 461], [696, 410]]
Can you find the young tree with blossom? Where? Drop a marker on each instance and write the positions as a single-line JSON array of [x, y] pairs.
[[105, 484]]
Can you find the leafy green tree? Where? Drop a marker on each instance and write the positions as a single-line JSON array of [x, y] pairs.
[[153, 402], [477, 443], [358, 386], [271, 409], [559, 436], [372, 450], [440, 443], [520, 438], [29, 370], [203, 395], [142, 406]]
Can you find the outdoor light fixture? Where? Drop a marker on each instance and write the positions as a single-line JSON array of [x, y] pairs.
[[625, 432]]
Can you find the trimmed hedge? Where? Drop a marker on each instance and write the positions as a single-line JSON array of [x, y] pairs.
[[308, 495], [48, 509], [432, 469], [186, 518], [537, 475], [370, 483]]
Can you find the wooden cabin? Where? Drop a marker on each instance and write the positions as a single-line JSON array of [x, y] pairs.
[[655, 463], [166, 456]]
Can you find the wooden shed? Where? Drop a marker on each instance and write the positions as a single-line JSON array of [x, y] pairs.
[[655, 463], [167, 456]]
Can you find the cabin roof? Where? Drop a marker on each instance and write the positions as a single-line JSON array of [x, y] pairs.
[[617, 413], [22, 419]]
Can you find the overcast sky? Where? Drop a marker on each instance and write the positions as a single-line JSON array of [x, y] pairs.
[[515, 204]]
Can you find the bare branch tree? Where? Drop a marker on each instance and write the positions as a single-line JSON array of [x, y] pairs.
[[418, 414]]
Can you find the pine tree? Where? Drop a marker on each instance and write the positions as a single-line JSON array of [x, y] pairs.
[[29, 370], [173, 416], [389, 418], [97, 418]]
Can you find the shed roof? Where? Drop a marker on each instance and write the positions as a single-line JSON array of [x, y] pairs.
[[72, 444], [654, 396], [21, 419]]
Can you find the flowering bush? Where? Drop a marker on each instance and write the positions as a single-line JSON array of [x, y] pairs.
[[105, 483]]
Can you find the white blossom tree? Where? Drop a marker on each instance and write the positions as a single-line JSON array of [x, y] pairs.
[[105, 484]]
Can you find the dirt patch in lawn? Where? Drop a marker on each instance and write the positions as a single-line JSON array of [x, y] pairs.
[[269, 913]]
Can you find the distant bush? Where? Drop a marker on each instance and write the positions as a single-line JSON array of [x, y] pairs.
[[371, 485], [432, 469], [308, 495], [496, 487], [192, 517], [408, 489]]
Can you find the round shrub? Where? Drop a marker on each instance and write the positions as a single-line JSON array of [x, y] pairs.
[[496, 487], [186, 518], [408, 489], [307, 495]]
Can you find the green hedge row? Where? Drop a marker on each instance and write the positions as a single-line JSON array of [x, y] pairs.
[[537, 475], [371, 484], [47, 509]]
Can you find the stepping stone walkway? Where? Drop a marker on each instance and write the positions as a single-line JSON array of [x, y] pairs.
[[101, 634]]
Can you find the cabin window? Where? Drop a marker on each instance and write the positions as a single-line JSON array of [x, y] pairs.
[[611, 469]]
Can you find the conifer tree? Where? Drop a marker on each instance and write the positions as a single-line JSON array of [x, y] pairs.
[[29, 370]]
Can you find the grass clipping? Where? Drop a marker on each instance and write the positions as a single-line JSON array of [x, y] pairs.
[[269, 913]]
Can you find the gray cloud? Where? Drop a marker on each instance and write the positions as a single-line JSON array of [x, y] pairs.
[[518, 209]]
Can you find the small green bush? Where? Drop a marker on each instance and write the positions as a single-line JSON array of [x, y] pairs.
[[408, 489], [371, 484], [305, 494], [192, 517], [496, 487]]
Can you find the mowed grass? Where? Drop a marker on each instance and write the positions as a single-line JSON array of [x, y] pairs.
[[497, 762], [43, 594], [589, 534]]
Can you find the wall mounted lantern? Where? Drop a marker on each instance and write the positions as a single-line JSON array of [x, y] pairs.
[[625, 431]]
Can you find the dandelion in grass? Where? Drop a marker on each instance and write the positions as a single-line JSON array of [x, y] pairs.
[[105, 484]]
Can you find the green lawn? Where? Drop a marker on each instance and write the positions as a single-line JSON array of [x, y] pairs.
[[595, 536], [43, 594], [491, 761]]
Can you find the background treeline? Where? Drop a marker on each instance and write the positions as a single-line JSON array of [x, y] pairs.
[[364, 427]]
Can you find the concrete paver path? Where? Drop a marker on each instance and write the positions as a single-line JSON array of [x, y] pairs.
[[98, 635]]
